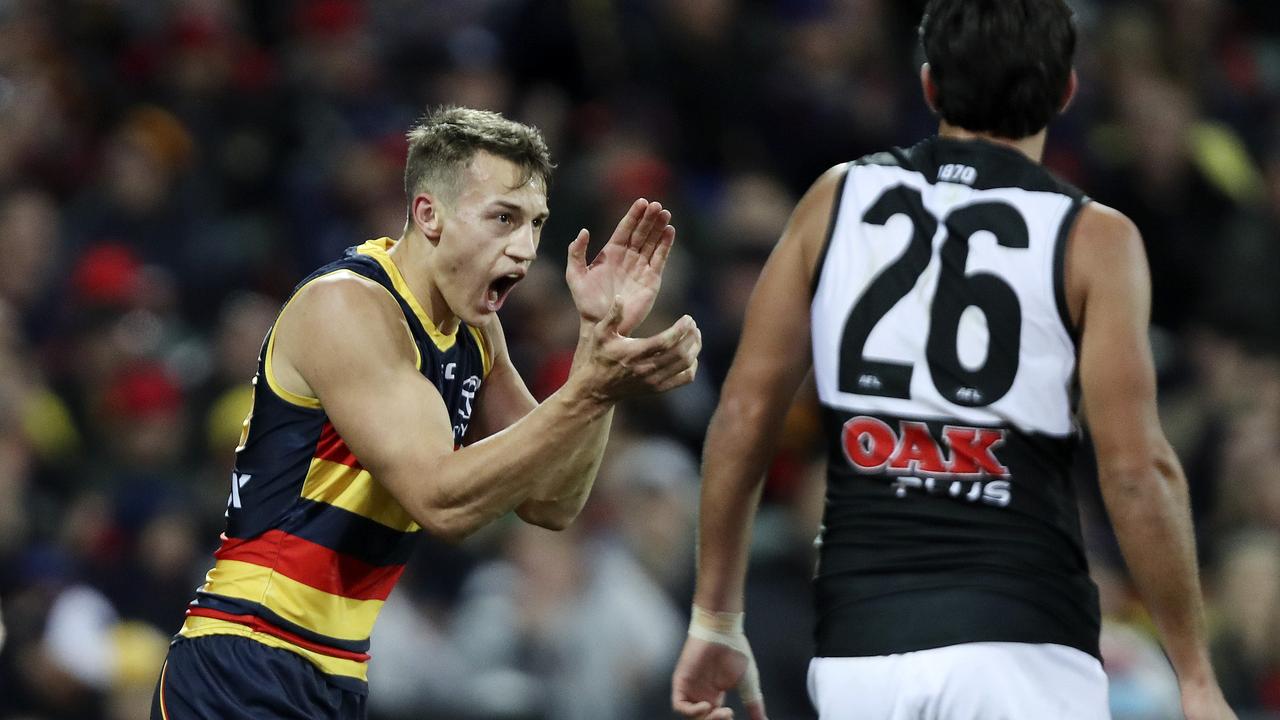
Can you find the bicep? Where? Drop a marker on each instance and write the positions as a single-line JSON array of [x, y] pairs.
[[352, 348], [774, 351], [1117, 373]]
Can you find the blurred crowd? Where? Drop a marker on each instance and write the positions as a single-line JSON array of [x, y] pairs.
[[170, 168]]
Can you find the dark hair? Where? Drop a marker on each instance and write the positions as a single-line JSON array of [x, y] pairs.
[[447, 138], [1000, 66]]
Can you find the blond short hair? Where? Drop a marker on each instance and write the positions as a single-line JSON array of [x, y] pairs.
[[444, 142]]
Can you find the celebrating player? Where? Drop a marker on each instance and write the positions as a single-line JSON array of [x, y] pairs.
[[955, 293], [386, 405]]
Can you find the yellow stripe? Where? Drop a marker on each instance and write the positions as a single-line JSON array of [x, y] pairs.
[[302, 605], [377, 249], [196, 627], [164, 713], [303, 400], [485, 360], [355, 490]]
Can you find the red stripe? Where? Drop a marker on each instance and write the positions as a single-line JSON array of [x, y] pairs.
[[259, 625], [331, 447], [314, 565]]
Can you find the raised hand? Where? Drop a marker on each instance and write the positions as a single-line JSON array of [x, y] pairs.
[[629, 266]]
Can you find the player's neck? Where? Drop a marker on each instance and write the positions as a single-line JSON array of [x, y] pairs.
[[411, 255], [1031, 146]]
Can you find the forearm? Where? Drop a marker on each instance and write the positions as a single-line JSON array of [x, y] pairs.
[[740, 443], [555, 507], [1148, 503], [556, 504], [532, 457]]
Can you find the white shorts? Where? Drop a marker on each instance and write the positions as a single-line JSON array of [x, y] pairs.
[[972, 681]]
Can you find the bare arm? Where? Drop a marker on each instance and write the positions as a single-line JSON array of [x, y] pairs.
[[629, 268], [1142, 482], [345, 338], [772, 359], [504, 400]]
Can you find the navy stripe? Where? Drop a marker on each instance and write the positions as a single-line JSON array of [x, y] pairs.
[[346, 532], [237, 606]]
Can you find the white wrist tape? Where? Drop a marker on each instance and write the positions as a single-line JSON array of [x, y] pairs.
[[725, 629]]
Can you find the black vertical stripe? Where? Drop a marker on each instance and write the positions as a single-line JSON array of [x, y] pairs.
[[831, 231], [1060, 266]]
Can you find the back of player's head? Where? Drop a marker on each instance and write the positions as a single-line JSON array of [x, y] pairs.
[[1000, 66], [444, 142]]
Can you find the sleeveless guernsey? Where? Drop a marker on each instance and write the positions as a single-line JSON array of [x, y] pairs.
[[313, 543], [945, 362]]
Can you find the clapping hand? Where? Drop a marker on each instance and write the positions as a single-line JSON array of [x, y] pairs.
[[629, 267]]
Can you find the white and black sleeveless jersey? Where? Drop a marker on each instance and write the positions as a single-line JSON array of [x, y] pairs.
[[945, 363]]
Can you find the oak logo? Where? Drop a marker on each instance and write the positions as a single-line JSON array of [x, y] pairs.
[[872, 446]]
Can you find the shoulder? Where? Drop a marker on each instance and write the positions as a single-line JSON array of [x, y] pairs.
[[1105, 258], [346, 306], [1104, 234], [815, 215], [822, 195], [344, 293]]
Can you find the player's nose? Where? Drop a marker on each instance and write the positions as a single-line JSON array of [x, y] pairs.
[[524, 245]]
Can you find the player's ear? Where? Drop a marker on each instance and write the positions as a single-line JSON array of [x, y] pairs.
[[929, 87], [425, 215], [1068, 95]]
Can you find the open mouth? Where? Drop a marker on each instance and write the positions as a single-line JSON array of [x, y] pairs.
[[499, 289]]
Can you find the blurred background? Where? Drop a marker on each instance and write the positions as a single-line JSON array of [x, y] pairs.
[[170, 168]]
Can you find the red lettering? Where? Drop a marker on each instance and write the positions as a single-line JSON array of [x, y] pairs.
[[868, 443], [972, 451], [917, 451]]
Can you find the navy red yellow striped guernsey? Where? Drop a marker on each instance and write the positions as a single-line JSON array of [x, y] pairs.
[[313, 543]]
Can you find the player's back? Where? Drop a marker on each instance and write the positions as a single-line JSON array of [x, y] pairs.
[[945, 363]]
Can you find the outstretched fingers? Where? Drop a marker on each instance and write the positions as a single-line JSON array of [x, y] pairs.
[[627, 226], [649, 222], [578, 253], [658, 259], [652, 237]]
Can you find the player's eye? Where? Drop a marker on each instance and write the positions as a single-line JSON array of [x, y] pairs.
[[504, 218], [537, 222]]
